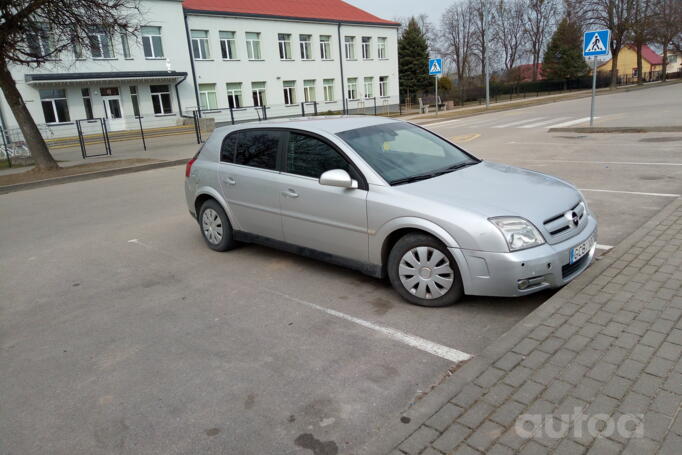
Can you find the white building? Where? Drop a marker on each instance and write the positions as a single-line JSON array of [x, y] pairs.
[[211, 55]]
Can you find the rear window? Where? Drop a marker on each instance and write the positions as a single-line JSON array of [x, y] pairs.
[[257, 148], [228, 148]]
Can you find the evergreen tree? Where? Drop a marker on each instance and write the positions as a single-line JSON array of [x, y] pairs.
[[413, 60], [564, 55]]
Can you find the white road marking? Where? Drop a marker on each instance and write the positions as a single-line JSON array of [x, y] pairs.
[[422, 344], [628, 163], [544, 122], [563, 144], [637, 193], [454, 120], [571, 122], [518, 122], [604, 247]]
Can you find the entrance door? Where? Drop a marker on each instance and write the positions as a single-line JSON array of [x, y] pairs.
[[112, 108]]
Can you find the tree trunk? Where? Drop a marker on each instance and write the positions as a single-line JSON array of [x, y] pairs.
[[34, 140], [640, 76], [664, 69], [614, 71]]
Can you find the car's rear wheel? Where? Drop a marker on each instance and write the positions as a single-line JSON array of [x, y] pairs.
[[215, 226], [423, 271]]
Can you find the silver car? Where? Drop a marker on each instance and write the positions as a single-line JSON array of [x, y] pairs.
[[390, 198]]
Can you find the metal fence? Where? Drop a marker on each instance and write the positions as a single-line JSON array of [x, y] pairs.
[[205, 120]]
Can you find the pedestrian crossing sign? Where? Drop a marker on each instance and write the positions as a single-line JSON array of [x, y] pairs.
[[596, 43], [435, 66]]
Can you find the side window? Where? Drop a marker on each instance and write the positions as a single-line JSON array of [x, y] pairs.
[[311, 157], [258, 148], [227, 149]]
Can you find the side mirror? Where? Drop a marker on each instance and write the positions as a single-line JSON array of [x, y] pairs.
[[338, 178]]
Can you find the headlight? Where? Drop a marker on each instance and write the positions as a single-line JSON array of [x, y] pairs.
[[519, 233]]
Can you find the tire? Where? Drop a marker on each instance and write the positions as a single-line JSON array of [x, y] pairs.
[[436, 281], [215, 226]]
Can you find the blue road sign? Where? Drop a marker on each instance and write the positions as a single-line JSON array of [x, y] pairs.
[[435, 66], [596, 43]]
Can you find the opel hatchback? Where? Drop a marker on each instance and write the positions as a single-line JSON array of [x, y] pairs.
[[389, 198]]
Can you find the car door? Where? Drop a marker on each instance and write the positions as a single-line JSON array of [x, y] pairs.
[[251, 182], [328, 219]]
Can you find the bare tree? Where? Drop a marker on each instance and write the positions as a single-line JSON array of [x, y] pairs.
[[509, 28], [35, 32], [641, 31], [482, 15], [456, 37], [539, 21], [617, 16], [577, 12], [667, 27]]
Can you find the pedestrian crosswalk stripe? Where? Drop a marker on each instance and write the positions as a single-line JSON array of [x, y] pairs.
[[544, 122], [518, 122], [571, 122]]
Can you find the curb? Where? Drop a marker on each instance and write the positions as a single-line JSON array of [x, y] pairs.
[[393, 433], [619, 129], [89, 176]]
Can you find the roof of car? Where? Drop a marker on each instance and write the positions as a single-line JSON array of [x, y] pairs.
[[330, 124]]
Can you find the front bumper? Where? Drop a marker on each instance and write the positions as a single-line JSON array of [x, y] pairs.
[[499, 274]]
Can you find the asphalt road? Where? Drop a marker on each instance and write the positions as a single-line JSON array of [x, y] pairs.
[[120, 332]]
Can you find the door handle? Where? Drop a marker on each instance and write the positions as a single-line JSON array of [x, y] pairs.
[[290, 193], [230, 181]]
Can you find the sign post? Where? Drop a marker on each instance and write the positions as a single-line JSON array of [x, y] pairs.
[[436, 69], [595, 43]]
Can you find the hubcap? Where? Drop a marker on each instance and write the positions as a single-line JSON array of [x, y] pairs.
[[212, 226], [425, 272]]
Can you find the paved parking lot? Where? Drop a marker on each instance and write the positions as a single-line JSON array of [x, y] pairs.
[[122, 333]]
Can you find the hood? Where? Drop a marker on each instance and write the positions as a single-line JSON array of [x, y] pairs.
[[492, 189]]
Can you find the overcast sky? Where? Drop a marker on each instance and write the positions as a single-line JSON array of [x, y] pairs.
[[389, 9]]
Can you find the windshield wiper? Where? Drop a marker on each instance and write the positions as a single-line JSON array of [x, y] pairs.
[[454, 167], [436, 173]]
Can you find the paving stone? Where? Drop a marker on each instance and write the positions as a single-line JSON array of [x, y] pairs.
[[590, 329], [507, 413], [418, 440], [451, 438], [573, 373], [444, 417], [634, 403], [577, 343], [630, 369], [617, 387], [535, 359], [465, 450], [602, 371], [475, 414], [551, 345], [601, 342], [603, 446], [659, 367], [641, 446], [568, 447], [498, 394], [674, 383], [642, 353], [671, 445], [656, 425], [602, 404], [489, 377], [663, 326], [546, 374], [562, 357], [669, 351], [526, 346], [468, 395], [647, 385], [556, 391], [512, 439], [589, 357], [675, 336], [517, 376], [499, 449], [485, 436], [533, 448], [653, 339], [509, 361], [431, 451], [541, 332], [586, 389], [528, 392], [667, 403], [627, 340]]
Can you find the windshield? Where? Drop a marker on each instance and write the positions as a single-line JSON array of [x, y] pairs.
[[402, 152]]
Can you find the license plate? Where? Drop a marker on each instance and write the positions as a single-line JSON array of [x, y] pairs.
[[581, 250]]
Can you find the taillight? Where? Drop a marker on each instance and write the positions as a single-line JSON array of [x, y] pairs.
[[188, 167]]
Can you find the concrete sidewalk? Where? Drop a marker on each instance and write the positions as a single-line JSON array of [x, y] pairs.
[[599, 364]]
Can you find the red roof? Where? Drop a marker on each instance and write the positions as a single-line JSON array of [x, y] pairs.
[[525, 72], [649, 55], [326, 10]]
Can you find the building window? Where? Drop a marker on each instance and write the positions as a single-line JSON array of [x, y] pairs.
[[100, 44], [306, 47], [352, 88], [55, 108], [328, 85], [234, 94], [284, 46], [634, 72], [134, 100], [289, 92], [383, 85], [125, 46], [325, 47], [39, 42], [208, 99], [161, 99], [253, 45], [309, 90], [151, 42], [200, 45], [381, 48], [258, 93], [87, 103], [369, 87], [350, 47], [366, 47], [228, 47]]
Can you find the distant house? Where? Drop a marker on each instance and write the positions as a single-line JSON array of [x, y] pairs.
[[652, 63], [674, 62], [524, 73]]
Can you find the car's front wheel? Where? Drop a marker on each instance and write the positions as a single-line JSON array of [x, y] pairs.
[[215, 226], [423, 271]]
